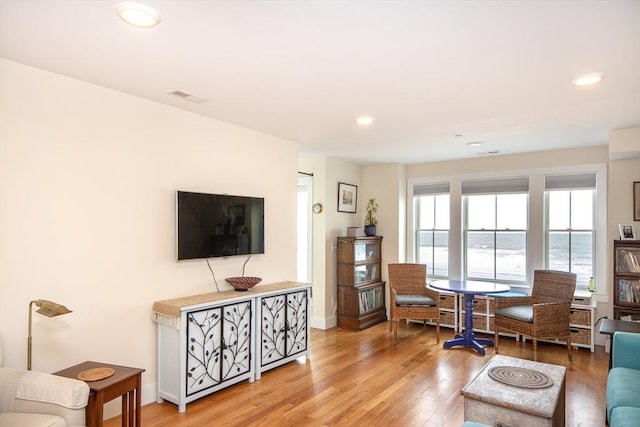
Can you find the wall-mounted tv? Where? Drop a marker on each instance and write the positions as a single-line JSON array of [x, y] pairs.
[[218, 225]]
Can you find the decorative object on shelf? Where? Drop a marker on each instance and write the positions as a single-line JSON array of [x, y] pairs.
[[242, 284], [48, 309], [347, 197], [317, 208], [370, 221], [95, 374], [626, 232], [636, 201]]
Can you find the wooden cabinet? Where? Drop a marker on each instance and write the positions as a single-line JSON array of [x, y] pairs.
[[212, 341], [626, 280], [284, 329], [360, 288]]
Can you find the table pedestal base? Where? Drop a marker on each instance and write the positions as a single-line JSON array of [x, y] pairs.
[[468, 339]]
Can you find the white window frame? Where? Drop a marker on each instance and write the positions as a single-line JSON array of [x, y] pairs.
[[573, 183], [536, 245]]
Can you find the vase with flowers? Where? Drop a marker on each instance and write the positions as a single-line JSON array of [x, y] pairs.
[[370, 221]]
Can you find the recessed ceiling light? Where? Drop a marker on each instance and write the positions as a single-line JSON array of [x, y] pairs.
[[364, 120], [137, 14], [588, 79], [475, 143]]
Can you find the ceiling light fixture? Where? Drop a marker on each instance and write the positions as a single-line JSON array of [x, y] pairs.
[[138, 14], [364, 120], [588, 79], [474, 144]]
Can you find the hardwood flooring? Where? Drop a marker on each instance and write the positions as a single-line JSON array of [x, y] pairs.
[[362, 378]]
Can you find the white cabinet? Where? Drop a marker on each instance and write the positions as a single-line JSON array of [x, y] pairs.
[[284, 329], [211, 341]]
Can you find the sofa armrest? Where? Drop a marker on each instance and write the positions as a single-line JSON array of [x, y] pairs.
[[36, 392], [625, 350]]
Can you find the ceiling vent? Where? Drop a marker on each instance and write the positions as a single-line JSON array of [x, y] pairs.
[[188, 97]]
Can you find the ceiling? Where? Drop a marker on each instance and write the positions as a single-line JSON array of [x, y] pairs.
[[435, 75]]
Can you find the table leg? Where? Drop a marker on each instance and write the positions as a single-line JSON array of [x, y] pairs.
[[138, 399], [90, 411], [132, 409], [99, 408], [468, 338]]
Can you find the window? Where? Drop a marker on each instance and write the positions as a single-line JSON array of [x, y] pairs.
[[432, 228], [495, 230], [570, 202]]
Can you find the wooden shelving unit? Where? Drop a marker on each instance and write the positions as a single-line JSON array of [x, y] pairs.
[[626, 280], [360, 288]]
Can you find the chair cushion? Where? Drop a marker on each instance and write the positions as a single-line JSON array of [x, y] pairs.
[[623, 389], [625, 417], [523, 313], [14, 419], [414, 300]]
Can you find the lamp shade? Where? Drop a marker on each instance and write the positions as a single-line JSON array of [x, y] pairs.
[[50, 308]]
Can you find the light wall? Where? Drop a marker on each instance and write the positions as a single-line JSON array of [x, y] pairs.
[[88, 178]]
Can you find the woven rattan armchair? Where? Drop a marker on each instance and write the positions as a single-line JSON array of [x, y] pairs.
[[542, 315], [410, 297]]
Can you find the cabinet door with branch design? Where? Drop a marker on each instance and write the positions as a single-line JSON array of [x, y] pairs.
[[218, 345], [283, 327]]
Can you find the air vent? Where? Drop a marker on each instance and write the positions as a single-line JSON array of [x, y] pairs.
[[188, 97]]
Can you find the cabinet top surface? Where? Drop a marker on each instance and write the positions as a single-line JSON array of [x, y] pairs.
[[173, 307]]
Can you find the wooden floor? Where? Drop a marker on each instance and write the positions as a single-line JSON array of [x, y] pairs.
[[362, 378]]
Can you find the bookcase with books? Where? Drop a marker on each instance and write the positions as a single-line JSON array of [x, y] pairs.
[[360, 288], [626, 280]]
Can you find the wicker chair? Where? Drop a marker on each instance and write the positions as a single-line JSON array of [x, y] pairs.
[[542, 315], [410, 297]]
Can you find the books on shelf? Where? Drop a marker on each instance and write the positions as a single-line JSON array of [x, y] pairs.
[[628, 261], [370, 299], [629, 290]]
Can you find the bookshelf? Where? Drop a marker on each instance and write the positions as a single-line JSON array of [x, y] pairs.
[[360, 288], [626, 280]]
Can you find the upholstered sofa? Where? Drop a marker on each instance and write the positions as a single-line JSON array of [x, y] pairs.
[[36, 399], [623, 382]]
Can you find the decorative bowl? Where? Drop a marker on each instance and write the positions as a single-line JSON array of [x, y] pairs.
[[242, 284]]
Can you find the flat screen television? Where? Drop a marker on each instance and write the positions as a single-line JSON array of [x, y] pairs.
[[218, 225]]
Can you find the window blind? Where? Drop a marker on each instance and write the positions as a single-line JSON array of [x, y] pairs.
[[585, 181], [430, 189], [493, 186]]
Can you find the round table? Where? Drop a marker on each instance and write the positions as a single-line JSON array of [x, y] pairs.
[[469, 288]]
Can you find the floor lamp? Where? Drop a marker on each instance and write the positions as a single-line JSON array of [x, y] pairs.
[[46, 308]]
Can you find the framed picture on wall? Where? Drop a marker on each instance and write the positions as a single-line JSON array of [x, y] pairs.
[[636, 201], [347, 197], [626, 232]]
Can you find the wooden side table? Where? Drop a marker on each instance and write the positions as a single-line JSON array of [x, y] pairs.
[[125, 382]]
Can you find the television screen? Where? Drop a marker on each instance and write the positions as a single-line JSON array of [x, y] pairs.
[[218, 225]]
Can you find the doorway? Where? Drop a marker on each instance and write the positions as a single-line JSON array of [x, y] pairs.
[[304, 229]]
